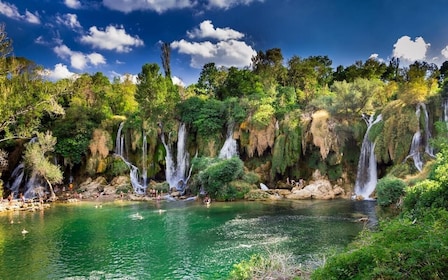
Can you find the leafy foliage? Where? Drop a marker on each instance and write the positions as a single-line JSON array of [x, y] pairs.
[[389, 190], [401, 249], [215, 177]]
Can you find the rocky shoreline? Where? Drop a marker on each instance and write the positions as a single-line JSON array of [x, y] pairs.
[[100, 191]]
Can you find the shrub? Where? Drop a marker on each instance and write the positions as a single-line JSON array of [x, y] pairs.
[[274, 266], [215, 177], [402, 249], [389, 190]]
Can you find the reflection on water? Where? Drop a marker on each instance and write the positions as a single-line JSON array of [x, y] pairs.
[[170, 240]]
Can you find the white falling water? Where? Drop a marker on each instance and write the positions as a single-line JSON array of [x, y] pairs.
[[16, 179], [418, 141], [367, 175], [415, 151], [119, 142], [230, 147], [31, 184], [176, 172], [428, 148], [138, 184], [445, 110]]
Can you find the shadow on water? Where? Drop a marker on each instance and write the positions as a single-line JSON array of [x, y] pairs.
[[171, 240]]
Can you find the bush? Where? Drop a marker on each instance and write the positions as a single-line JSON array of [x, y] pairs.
[[389, 190], [215, 178], [274, 266], [402, 249]]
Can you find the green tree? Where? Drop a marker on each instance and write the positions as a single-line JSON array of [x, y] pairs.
[[309, 76], [269, 67], [156, 95], [210, 79], [239, 83], [37, 159]]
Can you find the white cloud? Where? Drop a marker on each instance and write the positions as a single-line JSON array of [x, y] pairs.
[[69, 20], [407, 49], [32, 18], [227, 4], [60, 71], [227, 52], [158, 6], [124, 77], [444, 52], [177, 81], [79, 60], [224, 53], [207, 30], [74, 4], [111, 39], [11, 11]]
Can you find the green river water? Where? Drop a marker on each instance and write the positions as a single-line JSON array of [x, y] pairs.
[[170, 240]]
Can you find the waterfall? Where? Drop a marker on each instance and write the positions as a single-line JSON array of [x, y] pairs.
[[428, 149], [145, 161], [19, 181], [138, 185], [414, 152], [119, 141], [176, 172], [16, 179], [230, 147], [445, 110], [418, 141], [367, 175]]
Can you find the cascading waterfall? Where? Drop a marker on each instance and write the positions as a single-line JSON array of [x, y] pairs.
[[445, 110], [230, 147], [19, 178], [16, 179], [119, 142], [176, 172], [138, 185], [367, 175], [428, 148], [418, 141], [414, 152]]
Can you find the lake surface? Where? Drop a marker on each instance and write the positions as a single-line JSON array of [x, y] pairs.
[[170, 240]]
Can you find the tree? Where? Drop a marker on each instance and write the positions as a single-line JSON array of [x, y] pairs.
[[122, 96], [37, 159], [239, 83], [421, 81], [351, 99], [309, 76], [269, 66], [210, 79], [166, 57]]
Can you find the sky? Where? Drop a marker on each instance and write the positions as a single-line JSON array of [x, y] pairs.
[[117, 37]]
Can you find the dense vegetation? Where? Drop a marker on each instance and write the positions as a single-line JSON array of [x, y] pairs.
[[290, 118]]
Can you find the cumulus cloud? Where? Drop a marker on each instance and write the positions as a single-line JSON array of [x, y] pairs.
[[158, 6], [407, 49], [207, 30], [114, 39], [69, 20], [177, 81], [227, 51], [60, 71], [74, 4], [11, 11], [444, 52], [224, 53], [79, 60], [227, 4]]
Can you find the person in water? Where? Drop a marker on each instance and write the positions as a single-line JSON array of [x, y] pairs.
[[207, 200]]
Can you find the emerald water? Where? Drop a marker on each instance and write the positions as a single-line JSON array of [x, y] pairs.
[[169, 240]]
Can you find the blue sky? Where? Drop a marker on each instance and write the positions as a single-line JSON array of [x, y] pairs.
[[116, 37]]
